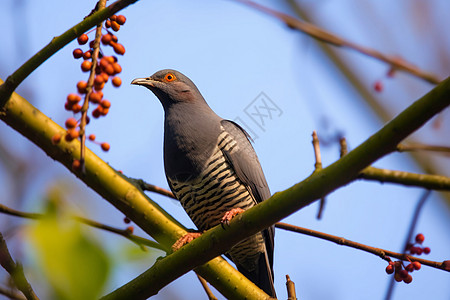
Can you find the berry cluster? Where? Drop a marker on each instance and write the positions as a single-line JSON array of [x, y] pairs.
[[106, 67], [416, 248], [402, 272]]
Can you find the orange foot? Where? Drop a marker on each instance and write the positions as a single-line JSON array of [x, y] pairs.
[[187, 238], [230, 215]]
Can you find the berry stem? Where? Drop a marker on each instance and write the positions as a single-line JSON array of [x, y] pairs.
[[85, 107]]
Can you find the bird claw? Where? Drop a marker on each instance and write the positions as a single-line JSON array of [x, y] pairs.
[[230, 215], [185, 239]]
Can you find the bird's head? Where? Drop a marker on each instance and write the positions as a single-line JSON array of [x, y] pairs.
[[170, 87]]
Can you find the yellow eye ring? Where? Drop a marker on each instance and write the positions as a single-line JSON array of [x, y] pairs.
[[169, 77]]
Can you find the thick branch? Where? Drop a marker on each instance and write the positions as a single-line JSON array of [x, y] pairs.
[[217, 240]]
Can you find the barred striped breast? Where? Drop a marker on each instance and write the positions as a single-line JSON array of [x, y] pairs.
[[217, 190]]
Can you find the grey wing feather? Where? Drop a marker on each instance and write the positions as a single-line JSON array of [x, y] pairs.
[[247, 167]]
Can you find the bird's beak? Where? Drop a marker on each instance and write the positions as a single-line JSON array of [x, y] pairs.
[[143, 81]]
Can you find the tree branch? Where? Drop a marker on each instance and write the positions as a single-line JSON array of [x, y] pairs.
[[327, 37], [16, 271]]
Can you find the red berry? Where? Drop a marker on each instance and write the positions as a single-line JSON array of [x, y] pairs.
[[117, 68], [403, 273], [86, 65], [105, 104], [95, 97], [81, 86], [76, 108], [105, 146], [96, 113], [71, 123], [73, 99], [83, 39], [113, 18], [56, 138], [126, 220], [92, 137], [390, 269], [130, 229], [408, 279], [118, 48], [420, 238], [77, 53], [116, 81], [109, 69], [108, 23], [409, 268], [417, 265], [106, 39], [121, 19], [92, 44], [98, 80], [412, 250], [397, 277], [76, 165], [426, 250], [87, 54], [115, 26], [419, 250], [378, 86]]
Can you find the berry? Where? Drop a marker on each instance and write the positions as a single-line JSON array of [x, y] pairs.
[[83, 39], [419, 250], [409, 268], [116, 81], [91, 137], [76, 108], [56, 139], [412, 250], [71, 123], [109, 69], [420, 238], [378, 86], [105, 104], [77, 53], [76, 165], [105, 146], [130, 230], [87, 54], [86, 65], [99, 80], [397, 277], [115, 26], [73, 99], [106, 39], [417, 265], [96, 113], [426, 250], [118, 48], [81, 86], [92, 44], [121, 19], [126, 220], [104, 111], [408, 279], [403, 273], [99, 87], [390, 269], [113, 18], [115, 39], [108, 23], [105, 76], [117, 68], [95, 97]]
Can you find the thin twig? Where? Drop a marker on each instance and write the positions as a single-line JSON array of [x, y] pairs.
[[318, 167], [395, 62], [290, 286], [15, 270], [206, 288], [422, 147], [384, 254], [84, 109], [123, 232]]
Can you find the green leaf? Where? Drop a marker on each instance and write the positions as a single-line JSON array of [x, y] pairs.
[[71, 261]]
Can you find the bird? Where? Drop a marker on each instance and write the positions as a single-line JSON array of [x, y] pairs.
[[212, 169]]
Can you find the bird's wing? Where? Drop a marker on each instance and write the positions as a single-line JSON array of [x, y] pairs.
[[247, 167]]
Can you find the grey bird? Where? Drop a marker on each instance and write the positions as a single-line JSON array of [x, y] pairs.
[[212, 169]]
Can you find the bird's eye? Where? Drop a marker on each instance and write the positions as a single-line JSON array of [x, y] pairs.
[[169, 77]]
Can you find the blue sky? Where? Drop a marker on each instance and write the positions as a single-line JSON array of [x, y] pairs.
[[233, 54]]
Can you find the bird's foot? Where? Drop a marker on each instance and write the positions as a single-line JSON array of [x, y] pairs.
[[230, 215], [187, 238]]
